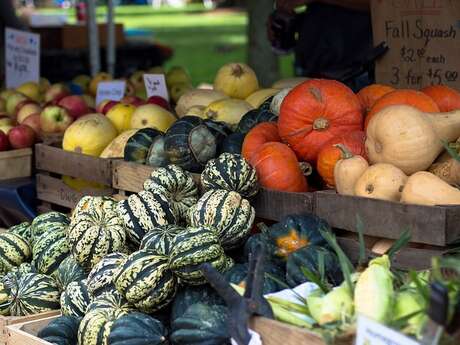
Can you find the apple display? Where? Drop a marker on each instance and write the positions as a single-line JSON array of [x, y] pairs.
[[102, 76], [33, 121], [12, 102], [56, 92], [4, 141], [134, 100], [55, 119], [158, 100], [21, 137], [26, 110], [75, 106]]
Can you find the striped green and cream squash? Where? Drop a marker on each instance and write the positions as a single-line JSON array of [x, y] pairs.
[[100, 279], [22, 229], [144, 211], [14, 250], [75, 299], [177, 185], [88, 202], [110, 300], [95, 326], [146, 281], [227, 212], [230, 172], [34, 293], [5, 299], [95, 233], [10, 279], [158, 240], [193, 247], [69, 271], [49, 250], [48, 222]]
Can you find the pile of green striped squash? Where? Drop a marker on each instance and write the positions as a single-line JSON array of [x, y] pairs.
[[115, 268]]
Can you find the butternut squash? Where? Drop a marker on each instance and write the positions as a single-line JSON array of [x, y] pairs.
[[381, 181], [348, 170], [446, 167], [408, 138], [425, 188]]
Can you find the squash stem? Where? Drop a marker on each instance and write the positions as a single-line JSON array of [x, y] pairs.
[[346, 153]]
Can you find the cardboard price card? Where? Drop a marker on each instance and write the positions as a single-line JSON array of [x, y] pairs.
[[155, 85], [424, 42], [369, 332], [22, 57], [110, 90]]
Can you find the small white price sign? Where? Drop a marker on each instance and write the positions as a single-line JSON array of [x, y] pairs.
[[22, 57], [370, 332], [110, 90], [155, 85]]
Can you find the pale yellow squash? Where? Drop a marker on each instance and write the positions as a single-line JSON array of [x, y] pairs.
[[408, 138], [89, 135], [197, 97], [381, 181], [121, 115], [229, 111], [275, 105], [257, 98], [236, 80], [116, 149], [196, 110], [425, 188], [152, 116], [347, 171]]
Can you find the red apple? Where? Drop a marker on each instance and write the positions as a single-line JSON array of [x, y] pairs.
[[134, 100], [55, 119], [21, 136], [26, 110], [159, 101], [55, 93], [75, 105], [109, 105], [4, 142], [33, 121]]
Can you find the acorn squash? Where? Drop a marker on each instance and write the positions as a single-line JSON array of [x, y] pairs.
[[137, 329], [138, 145]]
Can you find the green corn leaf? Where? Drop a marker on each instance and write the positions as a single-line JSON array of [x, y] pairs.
[[321, 266], [362, 245], [452, 152], [421, 289], [315, 278], [400, 243]]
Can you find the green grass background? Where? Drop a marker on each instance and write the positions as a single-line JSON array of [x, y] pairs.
[[202, 40]]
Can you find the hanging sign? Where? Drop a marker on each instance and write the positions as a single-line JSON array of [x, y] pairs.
[[155, 85], [369, 332]]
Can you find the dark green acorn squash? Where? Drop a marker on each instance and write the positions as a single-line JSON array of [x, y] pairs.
[[219, 129], [266, 104], [190, 144], [157, 156], [189, 295], [233, 143], [253, 118], [138, 145], [61, 331], [201, 324], [230, 172], [295, 232], [137, 329], [308, 257]]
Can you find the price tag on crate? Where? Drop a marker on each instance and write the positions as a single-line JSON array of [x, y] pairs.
[[155, 85], [22, 57], [369, 332], [110, 90], [423, 37]]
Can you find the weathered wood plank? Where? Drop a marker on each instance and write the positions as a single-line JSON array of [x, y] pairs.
[[56, 160], [433, 225], [17, 322], [130, 177], [15, 164], [55, 191]]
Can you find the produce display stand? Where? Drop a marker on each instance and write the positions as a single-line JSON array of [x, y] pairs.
[[52, 163], [15, 164], [7, 322]]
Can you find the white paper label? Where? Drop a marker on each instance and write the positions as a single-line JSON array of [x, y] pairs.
[[155, 85], [112, 90], [22, 57], [370, 332]]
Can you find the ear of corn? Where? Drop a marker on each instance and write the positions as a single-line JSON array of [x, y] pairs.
[[409, 302]]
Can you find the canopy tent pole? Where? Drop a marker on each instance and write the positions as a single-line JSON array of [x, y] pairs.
[[111, 49], [93, 38]]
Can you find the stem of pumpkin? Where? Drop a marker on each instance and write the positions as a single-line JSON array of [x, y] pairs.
[[346, 153], [320, 123], [306, 168]]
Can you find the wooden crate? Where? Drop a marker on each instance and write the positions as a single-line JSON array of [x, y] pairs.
[[275, 333], [432, 225], [16, 322], [15, 164], [51, 163], [269, 204]]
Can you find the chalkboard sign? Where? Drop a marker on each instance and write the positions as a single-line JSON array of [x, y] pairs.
[[424, 41]]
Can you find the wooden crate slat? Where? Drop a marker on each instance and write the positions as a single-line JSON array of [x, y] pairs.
[[7, 322], [433, 225], [130, 177], [55, 191], [56, 160], [15, 164]]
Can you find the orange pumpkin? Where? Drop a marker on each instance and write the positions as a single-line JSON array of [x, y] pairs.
[[315, 112], [446, 98], [278, 168], [370, 94], [413, 98], [262, 133], [329, 155]]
